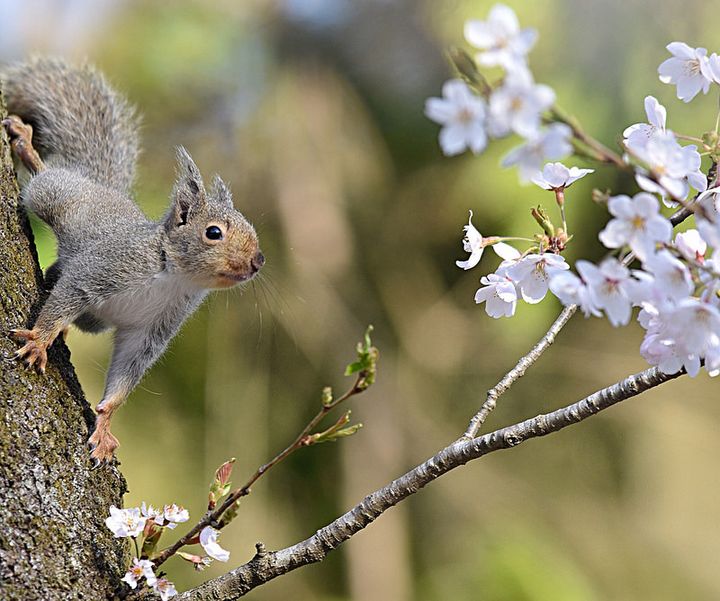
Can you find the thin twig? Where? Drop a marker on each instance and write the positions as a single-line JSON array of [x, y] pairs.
[[517, 372], [271, 564], [213, 517], [600, 152]]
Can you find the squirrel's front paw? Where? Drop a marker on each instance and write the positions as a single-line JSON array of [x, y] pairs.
[[16, 128], [103, 445], [34, 353], [20, 135]]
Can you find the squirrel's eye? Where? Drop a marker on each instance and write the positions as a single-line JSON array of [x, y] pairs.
[[213, 233]]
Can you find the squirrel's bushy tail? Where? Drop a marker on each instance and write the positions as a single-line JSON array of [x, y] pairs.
[[78, 120]]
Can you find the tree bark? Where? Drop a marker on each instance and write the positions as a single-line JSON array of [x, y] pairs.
[[53, 540]]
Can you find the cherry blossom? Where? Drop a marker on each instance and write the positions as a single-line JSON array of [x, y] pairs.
[[518, 106], [672, 278], [475, 244], [125, 522], [532, 273], [556, 176], [637, 222], [571, 290], [676, 167], [695, 323], [550, 143], [462, 115], [208, 540], [141, 568], [667, 356], [638, 135], [712, 360], [714, 67], [688, 69], [691, 245], [165, 589], [503, 43], [175, 514], [150, 513], [609, 288], [498, 294], [707, 220]]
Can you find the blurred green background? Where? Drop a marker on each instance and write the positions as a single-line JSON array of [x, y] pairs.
[[313, 111]]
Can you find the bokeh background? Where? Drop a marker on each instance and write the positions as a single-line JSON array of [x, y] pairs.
[[313, 111]]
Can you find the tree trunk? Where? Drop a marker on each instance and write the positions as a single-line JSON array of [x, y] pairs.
[[53, 540]]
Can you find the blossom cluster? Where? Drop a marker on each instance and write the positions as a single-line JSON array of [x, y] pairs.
[[676, 290], [526, 275], [674, 281], [675, 168], [146, 523], [515, 106]]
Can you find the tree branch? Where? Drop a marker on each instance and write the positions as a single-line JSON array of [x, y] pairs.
[[518, 371], [266, 565]]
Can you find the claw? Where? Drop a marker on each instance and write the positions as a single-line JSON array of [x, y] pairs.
[[20, 135], [103, 445], [34, 352]]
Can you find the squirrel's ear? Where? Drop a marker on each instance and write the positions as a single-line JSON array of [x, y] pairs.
[[220, 192], [189, 193]]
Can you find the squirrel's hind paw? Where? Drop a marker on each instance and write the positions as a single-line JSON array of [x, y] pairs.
[[34, 353], [103, 445]]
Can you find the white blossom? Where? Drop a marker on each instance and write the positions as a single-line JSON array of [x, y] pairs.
[[556, 176], [551, 143], [714, 67], [689, 69], [498, 294], [712, 360], [503, 43], [150, 513], [672, 279], [609, 288], [208, 540], [141, 568], [637, 222], [518, 106], [175, 514], [676, 167], [462, 116], [638, 135], [125, 522], [680, 335], [695, 324], [691, 245], [165, 589], [532, 273], [571, 290], [667, 356], [475, 244], [707, 218]]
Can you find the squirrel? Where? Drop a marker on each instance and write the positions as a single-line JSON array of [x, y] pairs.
[[78, 138]]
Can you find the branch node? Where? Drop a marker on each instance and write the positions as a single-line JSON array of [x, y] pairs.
[[260, 550], [511, 439]]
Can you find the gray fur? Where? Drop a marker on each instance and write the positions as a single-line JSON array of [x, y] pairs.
[[80, 122], [116, 268]]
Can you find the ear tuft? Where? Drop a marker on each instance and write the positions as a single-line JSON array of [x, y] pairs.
[[189, 193], [220, 192]]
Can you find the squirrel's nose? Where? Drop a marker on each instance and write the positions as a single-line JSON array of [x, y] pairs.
[[257, 262]]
